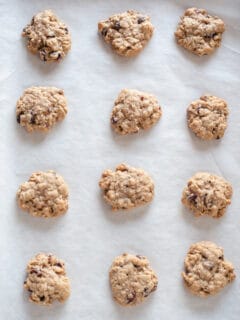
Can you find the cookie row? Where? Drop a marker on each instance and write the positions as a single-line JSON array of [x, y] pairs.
[[39, 108], [45, 194], [127, 33], [131, 277]]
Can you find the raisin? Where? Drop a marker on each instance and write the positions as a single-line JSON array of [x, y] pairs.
[[131, 297], [32, 21], [146, 292], [205, 200], [155, 287], [198, 109], [104, 32], [33, 119], [210, 36], [43, 55], [192, 197], [116, 26], [58, 264], [113, 120], [33, 271], [19, 117], [141, 20]]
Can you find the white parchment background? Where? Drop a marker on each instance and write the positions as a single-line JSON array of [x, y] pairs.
[[89, 236]]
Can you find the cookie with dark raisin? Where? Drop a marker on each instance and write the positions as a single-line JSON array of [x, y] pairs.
[[207, 117], [127, 32], [132, 279], [134, 111], [46, 280], [207, 194], [199, 32], [45, 195], [126, 187], [206, 272], [40, 108], [48, 36]]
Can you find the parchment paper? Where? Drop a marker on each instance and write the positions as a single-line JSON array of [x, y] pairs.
[[89, 236]]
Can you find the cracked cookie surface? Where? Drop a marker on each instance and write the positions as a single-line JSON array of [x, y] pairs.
[[206, 272], [207, 117], [126, 187], [134, 110], [199, 32], [127, 32], [45, 195], [207, 194], [132, 279], [40, 108], [48, 36], [46, 280]]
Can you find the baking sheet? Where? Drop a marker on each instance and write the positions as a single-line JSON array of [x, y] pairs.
[[89, 236]]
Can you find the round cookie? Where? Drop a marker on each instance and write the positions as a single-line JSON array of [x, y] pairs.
[[206, 272], [134, 110], [127, 32], [46, 280], [199, 32], [48, 36], [132, 279], [40, 108], [126, 187], [45, 195], [207, 194], [207, 117]]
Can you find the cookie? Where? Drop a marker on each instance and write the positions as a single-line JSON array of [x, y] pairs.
[[207, 194], [48, 36], [199, 32], [46, 280], [45, 195], [126, 187], [40, 108], [134, 110], [205, 270], [132, 279], [127, 32], [207, 117]]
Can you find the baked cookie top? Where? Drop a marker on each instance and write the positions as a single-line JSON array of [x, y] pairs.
[[126, 187], [45, 195], [199, 32], [205, 270], [207, 117], [46, 280], [207, 194], [48, 36], [134, 110], [132, 279], [40, 108], [127, 32]]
